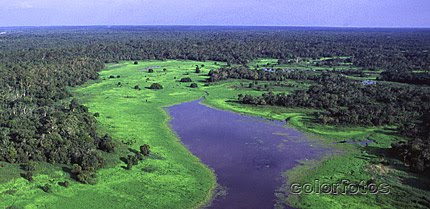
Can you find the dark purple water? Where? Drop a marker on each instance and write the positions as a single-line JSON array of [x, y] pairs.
[[248, 154]]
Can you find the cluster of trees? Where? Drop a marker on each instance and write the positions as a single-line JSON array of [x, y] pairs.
[[349, 102], [275, 75], [416, 152], [36, 122], [133, 160], [406, 77]]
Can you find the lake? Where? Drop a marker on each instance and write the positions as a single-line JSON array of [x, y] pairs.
[[248, 154]]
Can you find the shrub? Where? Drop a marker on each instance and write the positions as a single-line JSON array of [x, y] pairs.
[[150, 70], [29, 166], [131, 161], [64, 184], [194, 85], [106, 144], [145, 149], [87, 177], [156, 86], [47, 188], [186, 80], [28, 175]]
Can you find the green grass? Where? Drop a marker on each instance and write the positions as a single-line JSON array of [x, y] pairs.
[[172, 177]]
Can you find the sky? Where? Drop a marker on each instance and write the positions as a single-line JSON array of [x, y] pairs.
[[331, 13]]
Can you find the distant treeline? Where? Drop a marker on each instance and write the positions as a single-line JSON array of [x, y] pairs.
[[371, 49]]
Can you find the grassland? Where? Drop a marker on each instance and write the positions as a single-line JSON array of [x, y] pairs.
[[172, 177]]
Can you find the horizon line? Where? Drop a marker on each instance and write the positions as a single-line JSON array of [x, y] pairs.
[[216, 25]]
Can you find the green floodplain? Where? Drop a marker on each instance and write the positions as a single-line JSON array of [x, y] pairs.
[[171, 177]]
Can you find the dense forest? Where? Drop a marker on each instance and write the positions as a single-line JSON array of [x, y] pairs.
[[406, 77], [39, 121]]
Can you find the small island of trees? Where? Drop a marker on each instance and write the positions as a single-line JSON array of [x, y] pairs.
[[156, 86]]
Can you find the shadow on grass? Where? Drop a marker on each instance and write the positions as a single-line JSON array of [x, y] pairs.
[[155, 156], [133, 151]]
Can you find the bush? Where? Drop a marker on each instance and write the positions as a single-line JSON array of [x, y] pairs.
[[87, 177], [29, 166], [136, 62], [186, 80], [150, 70], [47, 188], [156, 86], [131, 161], [28, 175], [145, 149], [64, 184], [106, 144], [137, 87], [194, 85]]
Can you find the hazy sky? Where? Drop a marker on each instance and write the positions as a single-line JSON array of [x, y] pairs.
[[357, 13]]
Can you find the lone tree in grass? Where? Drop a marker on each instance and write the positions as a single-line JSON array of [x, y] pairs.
[[197, 69], [144, 149], [137, 87], [136, 62], [131, 161], [186, 80], [150, 70], [194, 85], [156, 86]]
